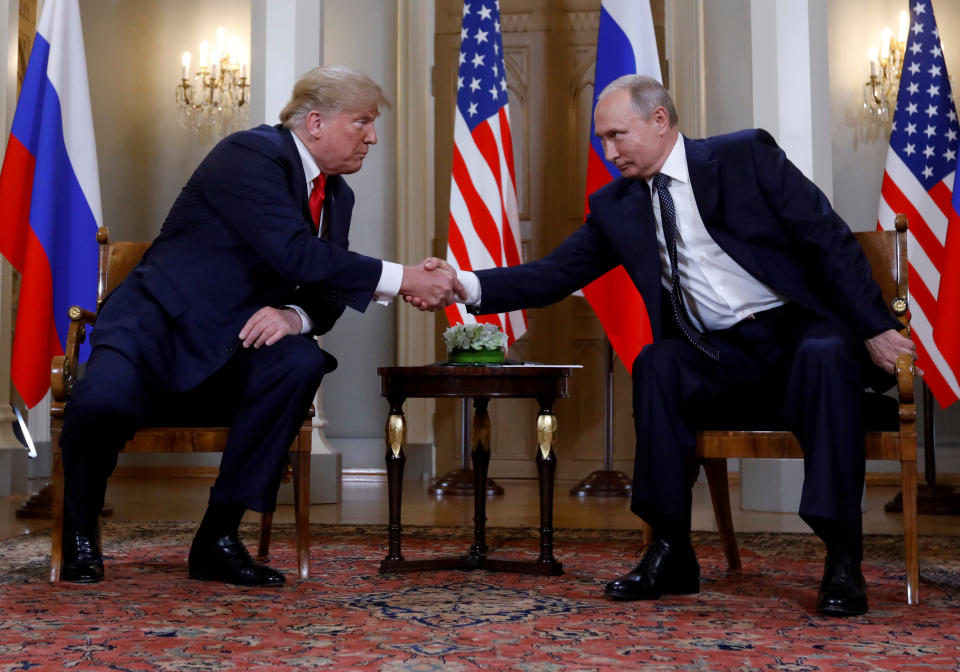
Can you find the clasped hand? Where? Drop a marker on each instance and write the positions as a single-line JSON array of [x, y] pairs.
[[430, 285]]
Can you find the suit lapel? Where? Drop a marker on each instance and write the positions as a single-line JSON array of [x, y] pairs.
[[706, 181]]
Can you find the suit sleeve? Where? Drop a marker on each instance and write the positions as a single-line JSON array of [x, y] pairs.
[[257, 202], [830, 253], [576, 262]]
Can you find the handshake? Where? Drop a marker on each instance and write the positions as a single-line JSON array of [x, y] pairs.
[[430, 285]]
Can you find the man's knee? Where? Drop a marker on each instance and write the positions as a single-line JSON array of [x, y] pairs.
[[657, 358], [826, 349], [300, 359]]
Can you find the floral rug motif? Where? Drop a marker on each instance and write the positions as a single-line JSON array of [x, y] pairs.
[[148, 616]]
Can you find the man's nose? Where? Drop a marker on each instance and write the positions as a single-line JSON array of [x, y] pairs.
[[371, 137], [610, 151]]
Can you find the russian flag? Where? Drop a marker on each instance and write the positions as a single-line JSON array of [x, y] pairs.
[[625, 45], [50, 197]]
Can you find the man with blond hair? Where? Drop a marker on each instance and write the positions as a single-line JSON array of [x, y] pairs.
[[215, 325]]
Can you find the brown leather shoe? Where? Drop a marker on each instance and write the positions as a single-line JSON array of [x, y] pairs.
[[843, 592], [666, 569]]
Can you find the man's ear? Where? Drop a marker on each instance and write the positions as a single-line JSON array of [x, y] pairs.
[[316, 123]]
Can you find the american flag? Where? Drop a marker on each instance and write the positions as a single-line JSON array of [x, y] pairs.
[[918, 181], [484, 230]]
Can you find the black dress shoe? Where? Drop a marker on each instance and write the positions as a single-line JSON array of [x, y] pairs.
[[226, 559], [843, 592], [82, 561], [666, 568]]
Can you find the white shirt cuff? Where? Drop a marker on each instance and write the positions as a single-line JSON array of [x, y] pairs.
[[389, 286], [304, 318], [471, 286]]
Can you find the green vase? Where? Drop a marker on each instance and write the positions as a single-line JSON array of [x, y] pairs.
[[476, 356]]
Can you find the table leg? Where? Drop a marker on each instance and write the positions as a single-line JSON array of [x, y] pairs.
[[481, 465], [546, 471], [396, 439]]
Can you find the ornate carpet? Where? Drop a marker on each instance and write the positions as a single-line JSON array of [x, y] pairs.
[[148, 616]]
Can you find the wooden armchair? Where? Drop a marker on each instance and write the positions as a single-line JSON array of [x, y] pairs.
[[116, 260], [891, 430]]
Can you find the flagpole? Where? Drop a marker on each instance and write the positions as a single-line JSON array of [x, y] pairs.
[[606, 482]]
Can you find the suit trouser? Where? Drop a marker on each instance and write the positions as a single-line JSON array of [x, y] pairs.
[[262, 394], [813, 369]]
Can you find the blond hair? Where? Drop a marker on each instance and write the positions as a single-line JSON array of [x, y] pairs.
[[646, 93], [331, 89]]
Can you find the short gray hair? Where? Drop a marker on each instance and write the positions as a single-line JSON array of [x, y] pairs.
[[647, 95], [330, 89]]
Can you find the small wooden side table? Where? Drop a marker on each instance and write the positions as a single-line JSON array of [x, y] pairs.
[[546, 384]]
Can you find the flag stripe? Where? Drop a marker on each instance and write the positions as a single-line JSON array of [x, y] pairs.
[[922, 234]]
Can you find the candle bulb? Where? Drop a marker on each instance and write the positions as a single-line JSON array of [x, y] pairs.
[[872, 55], [885, 44], [903, 27], [185, 62], [243, 70]]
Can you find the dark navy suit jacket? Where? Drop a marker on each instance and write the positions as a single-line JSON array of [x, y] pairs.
[[238, 238], [755, 204]]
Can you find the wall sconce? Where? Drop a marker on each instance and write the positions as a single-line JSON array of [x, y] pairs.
[[219, 96], [880, 91]]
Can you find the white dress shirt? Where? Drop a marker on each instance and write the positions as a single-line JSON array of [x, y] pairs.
[[718, 292], [390, 276]]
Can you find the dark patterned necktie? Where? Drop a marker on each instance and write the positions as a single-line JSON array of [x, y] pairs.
[[668, 217]]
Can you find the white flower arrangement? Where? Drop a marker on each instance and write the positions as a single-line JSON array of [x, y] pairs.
[[475, 337]]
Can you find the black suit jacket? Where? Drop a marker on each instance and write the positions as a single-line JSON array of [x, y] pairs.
[[755, 204], [239, 237]]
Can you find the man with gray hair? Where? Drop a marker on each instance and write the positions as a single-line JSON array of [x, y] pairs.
[[215, 325], [751, 281]]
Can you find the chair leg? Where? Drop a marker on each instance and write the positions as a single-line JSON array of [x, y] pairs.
[[266, 528], [56, 531], [908, 486], [716, 470], [301, 507]]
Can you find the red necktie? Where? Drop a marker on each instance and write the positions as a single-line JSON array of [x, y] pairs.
[[316, 199]]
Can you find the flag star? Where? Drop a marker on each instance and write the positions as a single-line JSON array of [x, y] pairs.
[[928, 151], [496, 48], [493, 92], [495, 70], [930, 130], [928, 171], [474, 84], [463, 34], [931, 110], [913, 88], [912, 108], [950, 155], [934, 70], [472, 110], [496, 25], [933, 91], [952, 115], [459, 83], [916, 49], [910, 149], [920, 8], [936, 50], [478, 60], [463, 58], [951, 135], [917, 28], [503, 84], [485, 13], [481, 35], [466, 9], [914, 67]]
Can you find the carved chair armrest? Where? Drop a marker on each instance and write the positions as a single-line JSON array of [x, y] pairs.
[[64, 368], [906, 372]]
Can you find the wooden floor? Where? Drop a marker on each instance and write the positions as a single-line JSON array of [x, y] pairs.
[[365, 502]]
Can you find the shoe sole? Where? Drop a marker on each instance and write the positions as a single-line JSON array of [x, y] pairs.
[[627, 597], [198, 576]]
